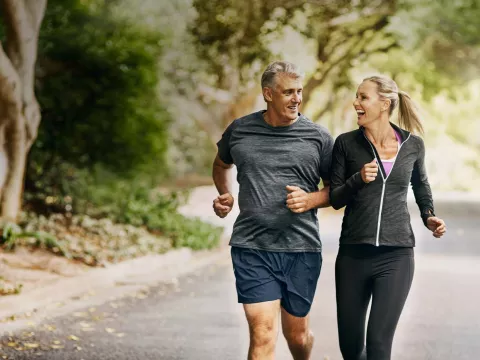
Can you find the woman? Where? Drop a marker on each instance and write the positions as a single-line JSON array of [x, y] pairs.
[[372, 168]]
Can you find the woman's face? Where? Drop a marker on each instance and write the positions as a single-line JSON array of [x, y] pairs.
[[368, 104]]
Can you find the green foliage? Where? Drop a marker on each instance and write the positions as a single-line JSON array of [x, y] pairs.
[[102, 143], [445, 34], [156, 211], [190, 149], [12, 233], [230, 35], [96, 83], [100, 193]]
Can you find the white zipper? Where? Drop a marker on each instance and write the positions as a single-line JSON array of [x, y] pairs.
[[377, 239], [384, 181]]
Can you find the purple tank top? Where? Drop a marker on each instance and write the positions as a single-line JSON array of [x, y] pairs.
[[388, 164]]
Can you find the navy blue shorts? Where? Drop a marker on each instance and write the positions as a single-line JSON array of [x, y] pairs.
[[267, 275]]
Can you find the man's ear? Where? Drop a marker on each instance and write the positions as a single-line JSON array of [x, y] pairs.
[[267, 94]]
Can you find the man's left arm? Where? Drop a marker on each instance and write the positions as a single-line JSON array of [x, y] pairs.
[[299, 201]]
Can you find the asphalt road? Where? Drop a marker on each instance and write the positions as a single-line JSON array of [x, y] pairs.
[[198, 317]]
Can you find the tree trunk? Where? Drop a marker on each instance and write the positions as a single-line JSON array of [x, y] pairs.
[[19, 109]]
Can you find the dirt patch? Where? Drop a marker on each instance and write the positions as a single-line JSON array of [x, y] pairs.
[[30, 268]]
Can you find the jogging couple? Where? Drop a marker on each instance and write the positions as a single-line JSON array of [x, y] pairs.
[[281, 158]]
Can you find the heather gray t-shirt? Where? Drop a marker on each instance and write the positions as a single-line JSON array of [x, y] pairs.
[[268, 159]]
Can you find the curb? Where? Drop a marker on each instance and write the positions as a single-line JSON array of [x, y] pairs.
[[98, 286]]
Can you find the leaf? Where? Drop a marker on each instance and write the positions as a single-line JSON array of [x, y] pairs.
[[73, 337], [80, 314], [31, 345]]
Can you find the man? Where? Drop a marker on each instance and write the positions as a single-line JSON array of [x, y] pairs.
[[276, 250]]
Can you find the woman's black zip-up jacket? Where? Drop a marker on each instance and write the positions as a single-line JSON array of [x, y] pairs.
[[376, 213]]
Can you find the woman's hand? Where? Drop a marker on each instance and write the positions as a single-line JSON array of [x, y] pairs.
[[437, 226], [369, 171]]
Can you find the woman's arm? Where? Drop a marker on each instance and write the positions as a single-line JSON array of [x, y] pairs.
[[342, 189], [420, 185]]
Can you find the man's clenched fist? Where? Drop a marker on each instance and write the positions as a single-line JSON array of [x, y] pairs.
[[298, 201], [223, 204]]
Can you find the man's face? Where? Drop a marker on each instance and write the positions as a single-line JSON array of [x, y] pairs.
[[285, 97]]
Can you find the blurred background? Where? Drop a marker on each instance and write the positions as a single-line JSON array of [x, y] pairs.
[[146, 87]]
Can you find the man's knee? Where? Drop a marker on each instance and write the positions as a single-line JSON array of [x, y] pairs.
[[262, 322], [262, 334], [299, 338]]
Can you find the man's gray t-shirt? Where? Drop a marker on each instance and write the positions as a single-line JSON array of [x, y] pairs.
[[268, 159]]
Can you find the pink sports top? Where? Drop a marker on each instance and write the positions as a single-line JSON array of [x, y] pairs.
[[388, 163]]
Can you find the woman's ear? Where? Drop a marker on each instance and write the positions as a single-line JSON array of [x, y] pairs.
[[386, 105]]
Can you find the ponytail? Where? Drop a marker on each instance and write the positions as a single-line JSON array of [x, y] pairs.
[[408, 114]]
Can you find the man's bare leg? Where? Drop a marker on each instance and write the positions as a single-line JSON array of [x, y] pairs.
[[298, 335], [263, 325]]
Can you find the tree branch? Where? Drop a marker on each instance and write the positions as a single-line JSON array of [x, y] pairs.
[[319, 78], [385, 9], [356, 47], [328, 106]]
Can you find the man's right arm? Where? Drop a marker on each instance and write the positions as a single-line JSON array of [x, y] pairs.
[[222, 178], [221, 174]]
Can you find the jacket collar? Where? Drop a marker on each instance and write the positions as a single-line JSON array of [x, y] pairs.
[[404, 134]]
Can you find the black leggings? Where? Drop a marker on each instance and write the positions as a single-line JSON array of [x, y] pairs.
[[362, 272]]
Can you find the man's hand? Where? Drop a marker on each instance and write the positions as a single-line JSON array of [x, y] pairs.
[[298, 201], [369, 171], [437, 226], [223, 204]]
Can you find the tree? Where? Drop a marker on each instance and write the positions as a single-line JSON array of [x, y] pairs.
[[19, 109], [232, 38], [103, 110]]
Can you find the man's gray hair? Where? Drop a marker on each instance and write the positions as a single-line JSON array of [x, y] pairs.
[[277, 67]]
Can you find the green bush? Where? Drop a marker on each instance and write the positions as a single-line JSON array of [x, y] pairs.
[[97, 79], [140, 206], [102, 142], [100, 193]]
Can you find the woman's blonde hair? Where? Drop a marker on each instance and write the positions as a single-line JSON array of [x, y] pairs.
[[408, 113]]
